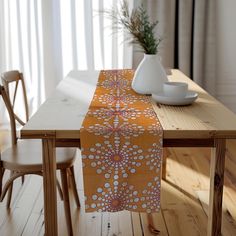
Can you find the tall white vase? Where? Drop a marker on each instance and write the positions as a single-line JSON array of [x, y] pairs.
[[149, 76]]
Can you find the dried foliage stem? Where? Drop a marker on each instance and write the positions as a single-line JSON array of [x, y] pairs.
[[138, 25]]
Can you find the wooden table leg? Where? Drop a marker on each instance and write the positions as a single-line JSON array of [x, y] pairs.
[[49, 185], [216, 187], [151, 226], [164, 157]]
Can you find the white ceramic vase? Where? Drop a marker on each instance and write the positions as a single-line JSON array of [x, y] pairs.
[[149, 76]]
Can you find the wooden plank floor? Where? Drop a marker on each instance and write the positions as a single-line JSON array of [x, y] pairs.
[[183, 211]]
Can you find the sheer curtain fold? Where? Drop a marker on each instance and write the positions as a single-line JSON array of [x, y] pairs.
[[47, 39], [89, 35]]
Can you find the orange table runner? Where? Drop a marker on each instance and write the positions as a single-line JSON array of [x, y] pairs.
[[121, 140]]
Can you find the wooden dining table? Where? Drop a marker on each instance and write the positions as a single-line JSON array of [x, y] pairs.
[[205, 123]]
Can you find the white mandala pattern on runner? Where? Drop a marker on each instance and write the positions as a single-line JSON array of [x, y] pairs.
[[116, 161], [111, 99], [125, 129], [126, 197], [107, 114]]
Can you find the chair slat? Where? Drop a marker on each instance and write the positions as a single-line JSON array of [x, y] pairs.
[[14, 96]]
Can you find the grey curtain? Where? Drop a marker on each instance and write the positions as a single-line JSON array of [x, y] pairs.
[[189, 37]]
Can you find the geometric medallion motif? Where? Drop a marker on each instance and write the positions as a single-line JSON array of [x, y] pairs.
[[121, 145]]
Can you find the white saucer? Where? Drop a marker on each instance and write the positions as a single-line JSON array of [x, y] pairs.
[[163, 99]]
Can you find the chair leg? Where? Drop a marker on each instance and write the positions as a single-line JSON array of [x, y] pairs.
[[59, 190], [66, 201], [22, 179], [9, 194], [1, 179], [73, 185]]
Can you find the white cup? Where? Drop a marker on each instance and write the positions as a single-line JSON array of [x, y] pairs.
[[175, 89]]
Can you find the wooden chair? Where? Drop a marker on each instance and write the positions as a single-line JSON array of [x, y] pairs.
[[25, 156]]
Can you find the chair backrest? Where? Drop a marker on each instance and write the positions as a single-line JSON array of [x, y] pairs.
[[12, 80], [11, 114]]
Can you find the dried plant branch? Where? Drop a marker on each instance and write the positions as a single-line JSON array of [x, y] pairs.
[[138, 25]]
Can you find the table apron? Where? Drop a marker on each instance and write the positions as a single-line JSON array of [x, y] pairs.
[[166, 143], [189, 142]]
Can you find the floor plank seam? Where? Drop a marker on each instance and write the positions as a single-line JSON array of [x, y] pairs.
[[14, 201], [141, 224], [165, 222], [36, 199]]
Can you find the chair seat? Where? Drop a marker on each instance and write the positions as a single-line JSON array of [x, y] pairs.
[[27, 156]]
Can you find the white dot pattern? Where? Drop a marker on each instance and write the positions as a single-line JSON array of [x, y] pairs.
[[121, 165]]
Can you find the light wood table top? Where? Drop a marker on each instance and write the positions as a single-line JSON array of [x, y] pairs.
[[63, 113]]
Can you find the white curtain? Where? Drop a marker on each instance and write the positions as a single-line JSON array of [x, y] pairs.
[[47, 39], [188, 29]]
